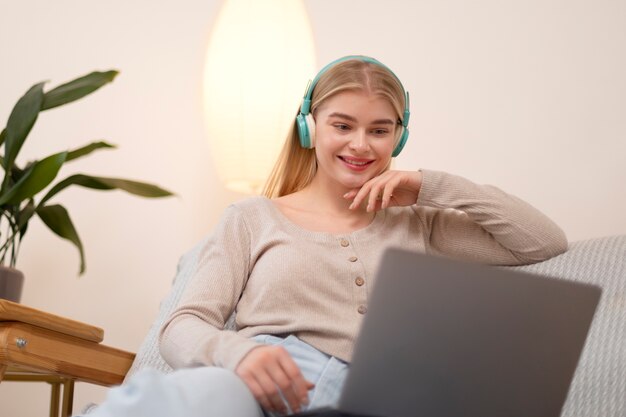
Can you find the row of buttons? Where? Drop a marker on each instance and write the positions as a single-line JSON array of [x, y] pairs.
[[359, 280]]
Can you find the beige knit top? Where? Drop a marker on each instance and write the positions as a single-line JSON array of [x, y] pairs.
[[282, 279]]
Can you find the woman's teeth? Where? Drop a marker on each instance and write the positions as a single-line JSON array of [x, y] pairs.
[[358, 163]]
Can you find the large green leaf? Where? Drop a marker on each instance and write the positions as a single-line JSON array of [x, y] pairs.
[[21, 121], [101, 183], [75, 89], [58, 220], [2, 136], [17, 173], [85, 150], [36, 178]]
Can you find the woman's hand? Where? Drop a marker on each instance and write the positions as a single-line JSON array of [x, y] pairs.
[[269, 371], [389, 189]]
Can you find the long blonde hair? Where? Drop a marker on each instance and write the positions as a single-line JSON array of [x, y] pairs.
[[296, 166]]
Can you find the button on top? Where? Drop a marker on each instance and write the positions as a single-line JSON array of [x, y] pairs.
[[362, 309], [359, 281], [344, 243], [353, 259]]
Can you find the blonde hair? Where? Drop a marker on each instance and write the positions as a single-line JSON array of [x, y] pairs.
[[296, 166]]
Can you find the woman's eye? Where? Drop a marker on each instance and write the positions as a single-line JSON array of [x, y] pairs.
[[380, 131], [342, 126]]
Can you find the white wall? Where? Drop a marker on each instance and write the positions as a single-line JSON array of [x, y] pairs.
[[529, 96]]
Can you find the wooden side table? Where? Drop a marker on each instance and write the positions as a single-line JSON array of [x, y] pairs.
[[42, 347]]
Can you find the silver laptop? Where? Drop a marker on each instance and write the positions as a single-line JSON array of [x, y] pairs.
[[448, 338]]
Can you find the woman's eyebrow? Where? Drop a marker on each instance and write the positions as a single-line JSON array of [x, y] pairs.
[[353, 119], [343, 116], [383, 122]]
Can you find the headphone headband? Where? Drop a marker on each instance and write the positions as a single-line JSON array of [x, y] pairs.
[[304, 118]]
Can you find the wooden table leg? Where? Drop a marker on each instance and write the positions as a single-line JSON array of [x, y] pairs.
[[54, 399], [3, 369], [68, 398]]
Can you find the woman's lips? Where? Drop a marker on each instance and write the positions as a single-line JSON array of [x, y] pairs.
[[356, 164]]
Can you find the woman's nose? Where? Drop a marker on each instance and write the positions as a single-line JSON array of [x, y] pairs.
[[359, 142]]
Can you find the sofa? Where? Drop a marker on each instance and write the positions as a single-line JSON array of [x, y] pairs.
[[599, 385]]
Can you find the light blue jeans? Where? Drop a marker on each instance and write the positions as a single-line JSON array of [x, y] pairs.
[[217, 392]]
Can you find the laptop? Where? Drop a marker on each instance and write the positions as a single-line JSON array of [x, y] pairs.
[[450, 338]]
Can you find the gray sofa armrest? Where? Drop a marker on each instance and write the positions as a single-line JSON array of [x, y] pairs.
[[148, 355], [599, 385]]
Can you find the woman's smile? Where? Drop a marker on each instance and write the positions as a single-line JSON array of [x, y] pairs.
[[356, 164]]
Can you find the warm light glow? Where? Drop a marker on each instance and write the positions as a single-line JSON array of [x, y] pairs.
[[259, 59]]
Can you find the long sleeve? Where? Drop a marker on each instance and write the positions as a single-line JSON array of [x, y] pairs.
[[483, 223], [194, 335]]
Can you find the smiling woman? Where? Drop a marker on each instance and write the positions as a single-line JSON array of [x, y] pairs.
[[299, 263], [297, 165]]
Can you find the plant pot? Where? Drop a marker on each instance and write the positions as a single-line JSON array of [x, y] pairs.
[[11, 283]]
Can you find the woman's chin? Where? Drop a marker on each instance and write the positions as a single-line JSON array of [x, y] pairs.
[[354, 182]]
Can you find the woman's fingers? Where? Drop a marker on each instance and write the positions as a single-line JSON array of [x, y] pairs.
[[392, 188], [252, 371], [257, 391], [371, 193], [360, 194], [381, 194], [269, 371], [387, 194], [350, 194], [289, 379], [270, 391], [375, 194], [299, 385]]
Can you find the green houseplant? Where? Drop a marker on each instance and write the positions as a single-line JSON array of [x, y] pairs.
[[22, 184]]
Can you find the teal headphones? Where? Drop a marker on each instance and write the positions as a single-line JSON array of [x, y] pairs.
[[306, 124]]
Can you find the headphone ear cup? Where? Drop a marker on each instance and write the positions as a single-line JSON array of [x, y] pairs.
[[401, 142], [303, 131], [310, 122]]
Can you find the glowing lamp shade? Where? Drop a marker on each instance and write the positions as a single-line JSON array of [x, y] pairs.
[[259, 59]]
